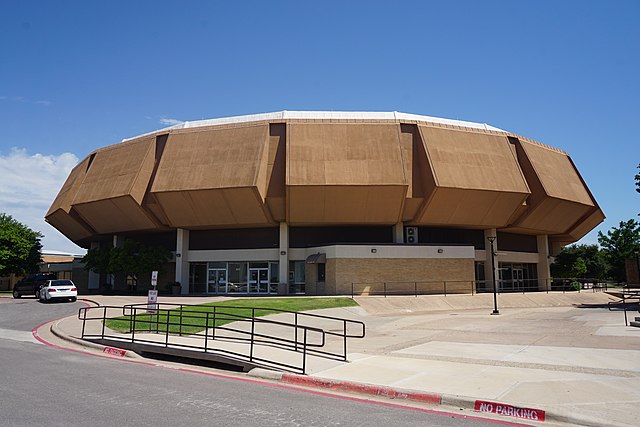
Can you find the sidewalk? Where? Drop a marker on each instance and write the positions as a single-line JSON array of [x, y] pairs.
[[565, 354]]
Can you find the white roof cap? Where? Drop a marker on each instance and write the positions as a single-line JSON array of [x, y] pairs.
[[327, 115]]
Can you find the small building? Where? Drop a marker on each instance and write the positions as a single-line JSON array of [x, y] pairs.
[[319, 202]]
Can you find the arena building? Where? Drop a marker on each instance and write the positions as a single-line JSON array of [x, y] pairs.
[[313, 202]]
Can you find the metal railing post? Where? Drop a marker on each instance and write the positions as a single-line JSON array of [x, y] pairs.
[[133, 331], [304, 353], [385, 288], [624, 307], [84, 319], [213, 328], [296, 330], [206, 334], [444, 283], [344, 336], [180, 327], [253, 329], [166, 340], [415, 289], [104, 320], [351, 290]]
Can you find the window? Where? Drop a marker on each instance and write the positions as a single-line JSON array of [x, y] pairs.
[[296, 277], [321, 272]]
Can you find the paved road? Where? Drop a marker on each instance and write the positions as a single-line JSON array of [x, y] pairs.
[[41, 385]]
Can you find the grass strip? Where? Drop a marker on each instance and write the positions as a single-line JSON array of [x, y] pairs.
[[194, 319]]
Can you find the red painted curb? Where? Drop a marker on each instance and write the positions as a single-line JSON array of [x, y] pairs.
[[374, 390]]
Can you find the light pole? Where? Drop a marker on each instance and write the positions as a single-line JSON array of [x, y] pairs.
[[638, 266], [492, 239]]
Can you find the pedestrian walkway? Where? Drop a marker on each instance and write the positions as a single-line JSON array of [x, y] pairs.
[[566, 354]]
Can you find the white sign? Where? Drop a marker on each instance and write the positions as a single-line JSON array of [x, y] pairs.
[[154, 279], [152, 301]]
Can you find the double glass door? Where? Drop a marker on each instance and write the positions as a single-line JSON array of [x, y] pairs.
[[217, 281], [259, 280]]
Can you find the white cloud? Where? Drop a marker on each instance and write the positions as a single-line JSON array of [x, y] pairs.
[[170, 122], [24, 100], [28, 186]]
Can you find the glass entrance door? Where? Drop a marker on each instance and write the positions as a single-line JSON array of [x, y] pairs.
[[518, 278], [259, 280], [217, 283]]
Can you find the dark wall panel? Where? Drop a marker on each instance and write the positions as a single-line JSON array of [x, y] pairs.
[[304, 237], [451, 236], [242, 238], [517, 242]]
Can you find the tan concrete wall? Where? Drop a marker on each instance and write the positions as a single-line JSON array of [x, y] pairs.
[[430, 273]]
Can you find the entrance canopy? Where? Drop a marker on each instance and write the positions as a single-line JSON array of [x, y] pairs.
[[317, 258]]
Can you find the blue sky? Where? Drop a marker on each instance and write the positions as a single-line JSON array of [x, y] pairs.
[[75, 76]]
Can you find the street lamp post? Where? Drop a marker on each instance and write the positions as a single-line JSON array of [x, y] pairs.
[[492, 239], [638, 266]]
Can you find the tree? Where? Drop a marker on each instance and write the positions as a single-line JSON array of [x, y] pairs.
[[97, 260], [132, 258], [135, 258], [619, 244], [19, 247], [580, 261], [638, 181]]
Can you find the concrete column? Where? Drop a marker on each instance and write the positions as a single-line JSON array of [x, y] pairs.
[[283, 260], [398, 233], [118, 279], [94, 278], [182, 259], [544, 262], [488, 262]]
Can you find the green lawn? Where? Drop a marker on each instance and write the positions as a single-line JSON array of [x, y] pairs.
[[195, 318]]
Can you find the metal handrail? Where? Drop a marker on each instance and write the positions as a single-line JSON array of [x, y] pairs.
[[413, 287], [253, 339], [347, 324], [624, 300], [444, 287], [185, 313]]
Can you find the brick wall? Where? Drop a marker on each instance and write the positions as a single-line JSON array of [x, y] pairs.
[[400, 275]]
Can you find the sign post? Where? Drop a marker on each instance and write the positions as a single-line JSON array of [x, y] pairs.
[[152, 297]]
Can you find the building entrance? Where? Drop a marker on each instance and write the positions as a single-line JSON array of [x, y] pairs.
[[518, 278], [217, 283], [259, 280]]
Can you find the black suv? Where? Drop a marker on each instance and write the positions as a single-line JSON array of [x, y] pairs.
[[31, 284]]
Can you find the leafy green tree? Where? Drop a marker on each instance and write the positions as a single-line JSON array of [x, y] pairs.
[[579, 268], [638, 181], [569, 262], [132, 258], [97, 260], [136, 258], [619, 244], [19, 247]]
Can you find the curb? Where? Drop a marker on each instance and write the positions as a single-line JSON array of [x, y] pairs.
[[363, 388], [374, 390], [97, 304], [57, 331], [455, 401]]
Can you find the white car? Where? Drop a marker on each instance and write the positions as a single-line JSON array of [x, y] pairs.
[[57, 289]]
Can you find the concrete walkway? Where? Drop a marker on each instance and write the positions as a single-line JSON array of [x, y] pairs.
[[565, 354]]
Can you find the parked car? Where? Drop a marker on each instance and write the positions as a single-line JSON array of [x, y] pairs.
[[57, 289], [31, 284]]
